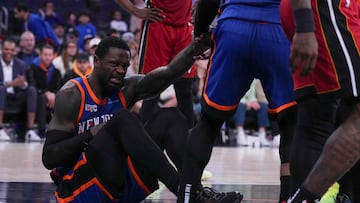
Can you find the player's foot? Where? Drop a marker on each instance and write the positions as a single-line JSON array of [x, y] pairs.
[[209, 195], [303, 195], [342, 198]]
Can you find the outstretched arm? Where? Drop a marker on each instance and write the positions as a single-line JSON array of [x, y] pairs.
[[304, 48], [62, 147], [159, 79], [151, 14]]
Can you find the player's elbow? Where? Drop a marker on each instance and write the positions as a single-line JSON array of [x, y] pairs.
[[48, 159], [47, 163]]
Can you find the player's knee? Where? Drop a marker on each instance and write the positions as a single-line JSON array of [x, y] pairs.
[[122, 118], [176, 115]]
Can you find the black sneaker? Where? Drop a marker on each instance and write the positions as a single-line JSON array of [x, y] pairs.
[[342, 198], [209, 195]]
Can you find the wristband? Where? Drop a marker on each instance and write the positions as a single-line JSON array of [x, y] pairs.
[[304, 20]]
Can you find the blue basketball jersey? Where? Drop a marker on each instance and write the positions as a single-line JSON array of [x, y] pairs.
[[94, 111], [251, 10], [90, 189]]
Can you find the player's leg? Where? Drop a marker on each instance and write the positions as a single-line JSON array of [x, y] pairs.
[[274, 72], [121, 137], [168, 128], [184, 95], [219, 102], [315, 122], [340, 153], [184, 85]]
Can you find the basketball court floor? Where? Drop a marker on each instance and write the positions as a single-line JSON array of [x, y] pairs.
[[253, 171]]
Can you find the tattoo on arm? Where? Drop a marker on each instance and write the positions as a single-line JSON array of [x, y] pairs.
[[341, 152]]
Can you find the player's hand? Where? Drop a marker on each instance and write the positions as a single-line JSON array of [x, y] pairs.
[[202, 46], [304, 52], [150, 14]]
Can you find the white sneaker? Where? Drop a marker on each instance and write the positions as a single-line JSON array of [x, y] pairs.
[[31, 135], [206, 175], [263, 141], [276, 141], [3, 135], [253, 141], [241, 139]]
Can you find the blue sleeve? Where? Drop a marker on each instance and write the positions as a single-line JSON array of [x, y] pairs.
[[42, 30], [36, 26], [93, 30]]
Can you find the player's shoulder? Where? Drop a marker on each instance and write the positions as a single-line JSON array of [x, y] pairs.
[[69, 92]]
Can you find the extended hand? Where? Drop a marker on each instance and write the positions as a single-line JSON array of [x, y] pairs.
[[304, 51], [202, 46], [150, 14]]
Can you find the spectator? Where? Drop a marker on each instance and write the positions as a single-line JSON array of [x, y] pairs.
[[48, 13], [254, 99], [128, 36], [86, 43], [134, 60], [27, 48], [34, 23], [81, 67], [68, 53], [70, 20], [14, 90], [117, 23], [92, 47], [47, 79], [137, 35], [85, 28], [71, 34], [59, 30]]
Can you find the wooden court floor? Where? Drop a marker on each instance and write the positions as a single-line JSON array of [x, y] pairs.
[[253, 171]]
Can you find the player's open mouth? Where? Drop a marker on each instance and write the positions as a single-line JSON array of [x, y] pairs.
[[115, 80]]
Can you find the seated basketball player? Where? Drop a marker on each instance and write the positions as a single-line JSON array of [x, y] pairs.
[[97, 150]]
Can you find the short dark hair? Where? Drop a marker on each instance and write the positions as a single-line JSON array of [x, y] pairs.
[[47, 2], [82, 57], [115, 42], [47, 46], [83, 13], [22, 7], [9, 39]]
